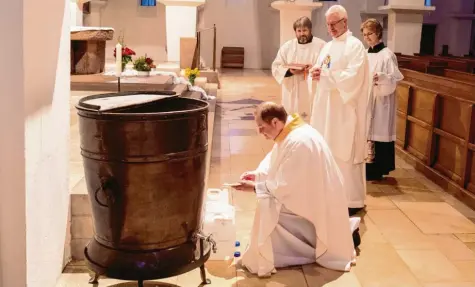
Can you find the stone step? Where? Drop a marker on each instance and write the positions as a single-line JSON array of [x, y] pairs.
[[201, 82]]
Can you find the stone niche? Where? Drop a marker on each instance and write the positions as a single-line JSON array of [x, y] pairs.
[[88, 49]]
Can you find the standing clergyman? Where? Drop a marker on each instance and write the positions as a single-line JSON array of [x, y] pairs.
[[340, 105], [291, 66]]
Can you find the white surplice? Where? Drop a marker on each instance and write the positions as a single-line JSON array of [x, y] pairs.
[[301, 215], [340, 110], [295, 95], [385, 65]]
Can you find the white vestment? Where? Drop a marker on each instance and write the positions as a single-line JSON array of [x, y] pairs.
[[301, 215], [385, 65], [295, 95], [340, 110]]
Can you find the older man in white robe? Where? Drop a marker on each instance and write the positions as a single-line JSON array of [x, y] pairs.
[[341, 103], [291, 65], [301, 214]]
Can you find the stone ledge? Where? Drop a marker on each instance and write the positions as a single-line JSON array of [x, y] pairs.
[[92, 36]]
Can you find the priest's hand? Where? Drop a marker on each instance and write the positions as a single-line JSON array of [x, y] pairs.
[[375, 79], [246, 185], [316, 74], [248, 176]]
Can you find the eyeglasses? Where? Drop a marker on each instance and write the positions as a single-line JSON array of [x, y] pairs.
[[367, 35], [336, 23]]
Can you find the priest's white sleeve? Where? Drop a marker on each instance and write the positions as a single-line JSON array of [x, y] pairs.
[[290, 175], [388, 79], [263, 168], [278, 69], [351, 80]]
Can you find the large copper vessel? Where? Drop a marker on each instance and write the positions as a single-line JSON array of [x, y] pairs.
[[145, 172]]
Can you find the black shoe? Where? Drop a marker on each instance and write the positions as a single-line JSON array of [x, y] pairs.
[[353, 211], [356, 238]]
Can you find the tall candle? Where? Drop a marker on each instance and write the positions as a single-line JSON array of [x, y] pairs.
[[118, 60]]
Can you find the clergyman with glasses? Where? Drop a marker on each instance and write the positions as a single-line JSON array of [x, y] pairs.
[[340, 105]]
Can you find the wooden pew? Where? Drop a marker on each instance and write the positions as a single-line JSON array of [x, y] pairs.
[[454, 63], [460, 89], [423, 65], [436, 130], [460, 76]]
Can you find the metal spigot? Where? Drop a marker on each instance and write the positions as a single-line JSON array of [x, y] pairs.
[[210, 240]]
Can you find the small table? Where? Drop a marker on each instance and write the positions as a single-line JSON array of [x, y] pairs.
[[88, 49]]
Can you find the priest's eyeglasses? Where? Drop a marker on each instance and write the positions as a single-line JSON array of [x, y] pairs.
[[335, 23]]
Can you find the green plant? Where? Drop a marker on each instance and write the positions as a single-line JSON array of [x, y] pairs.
[[143, 64]]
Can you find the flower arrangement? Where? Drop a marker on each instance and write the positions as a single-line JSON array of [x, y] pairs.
[[144, 64], [191, 74], [127, 53]]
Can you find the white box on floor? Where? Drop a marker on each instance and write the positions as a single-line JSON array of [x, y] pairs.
[[219, 220], [220, 195]]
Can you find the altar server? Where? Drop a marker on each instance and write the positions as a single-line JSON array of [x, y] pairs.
[[341, 101], [302, 51], [301, 214], [383, 67]]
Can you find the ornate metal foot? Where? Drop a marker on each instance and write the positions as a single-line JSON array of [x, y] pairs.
[[204, 280], [94, 278]]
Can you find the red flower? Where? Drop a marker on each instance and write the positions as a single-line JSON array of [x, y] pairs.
[[125, 52], [149, 61]]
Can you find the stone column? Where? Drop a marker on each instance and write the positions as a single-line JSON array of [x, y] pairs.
[[405, 18], [75, 13], [291, 11], [181, 23]]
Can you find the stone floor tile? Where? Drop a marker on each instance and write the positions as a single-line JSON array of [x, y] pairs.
[[431, 266], [316, 275], [289, 277], [380, 265], [452, 248], [221, 274], [436, 217]]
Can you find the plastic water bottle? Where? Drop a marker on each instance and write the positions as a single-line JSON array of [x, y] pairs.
[[237, 253]]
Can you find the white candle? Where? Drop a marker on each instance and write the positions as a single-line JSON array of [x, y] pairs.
[[118, 60]]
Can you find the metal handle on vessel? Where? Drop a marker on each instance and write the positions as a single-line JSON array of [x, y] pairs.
[[209, 239], [107, 192]]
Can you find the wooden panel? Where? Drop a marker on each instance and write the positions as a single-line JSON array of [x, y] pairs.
[[471, 181], [449, 158], [400, 129], [402, 97], [422, 104], [418, 137], [435, 129], [453, 116], [442, 85]]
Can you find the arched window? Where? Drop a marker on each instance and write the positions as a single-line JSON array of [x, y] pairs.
[[148, 2]]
